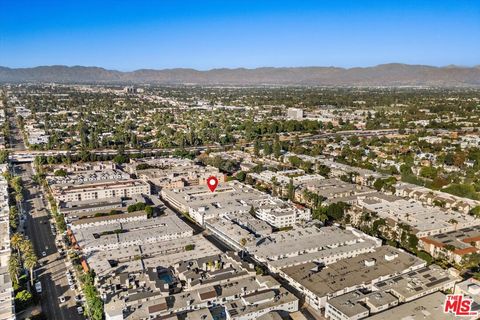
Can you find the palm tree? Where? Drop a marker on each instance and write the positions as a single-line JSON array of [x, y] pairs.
[[29, 263], [19, 197], [14, 267], [16, 240], [25, 246], [453, 221]]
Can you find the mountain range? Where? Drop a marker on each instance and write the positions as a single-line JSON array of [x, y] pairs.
[[394, 74]]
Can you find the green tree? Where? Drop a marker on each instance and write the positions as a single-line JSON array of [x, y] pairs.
[[240, 176], [277, 149], [23, 296], [29, 263], [14, 267], [60, 173], [4, 156], [16, 241], [149, 211], [291, 190], [425, 256], [267, 149], [412, 242], [336, 210], [256, 148], [475, 212]]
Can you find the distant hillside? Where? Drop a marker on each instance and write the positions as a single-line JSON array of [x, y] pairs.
[[382, 75]]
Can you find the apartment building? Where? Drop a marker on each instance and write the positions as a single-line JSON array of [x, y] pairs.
[[101, 190], [191, 286], [454, 245], [320, 283], [298, 246], [232, 198], [423, 220]]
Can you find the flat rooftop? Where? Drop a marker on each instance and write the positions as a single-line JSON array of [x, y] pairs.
[[460, 239], [354, 303], [421, 218], [308, 240], [130, 233], [416, 282], [136, 258], [429, 307], [100, 185], [346, 273]]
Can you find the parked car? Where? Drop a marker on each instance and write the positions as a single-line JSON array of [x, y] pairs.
[[62, 299], [80, 310], [38, 287]]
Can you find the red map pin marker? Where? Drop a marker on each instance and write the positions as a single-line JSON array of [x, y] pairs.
[[212, 183]]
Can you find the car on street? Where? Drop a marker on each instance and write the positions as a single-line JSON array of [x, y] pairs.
[[38, 287], [44, 254], [62, 299], [72, 287], [80, 310]]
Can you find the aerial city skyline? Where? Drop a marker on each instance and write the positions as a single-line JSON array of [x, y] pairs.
[[240, 160]]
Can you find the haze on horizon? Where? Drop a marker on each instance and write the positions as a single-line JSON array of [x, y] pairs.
[[124, 35]]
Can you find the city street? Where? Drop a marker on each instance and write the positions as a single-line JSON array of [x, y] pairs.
[[52, 268]]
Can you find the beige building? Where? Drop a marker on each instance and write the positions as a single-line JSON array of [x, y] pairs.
[[124, 188]]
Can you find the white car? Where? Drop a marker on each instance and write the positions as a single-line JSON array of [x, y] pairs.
[[44, 254], [62, 299], [70, 281], [72, 287], [80, 310], [38, 287]]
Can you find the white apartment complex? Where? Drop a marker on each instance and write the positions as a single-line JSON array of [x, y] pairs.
[[123, 188]]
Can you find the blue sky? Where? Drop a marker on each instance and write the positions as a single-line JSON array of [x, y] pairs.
[[203, 34]]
